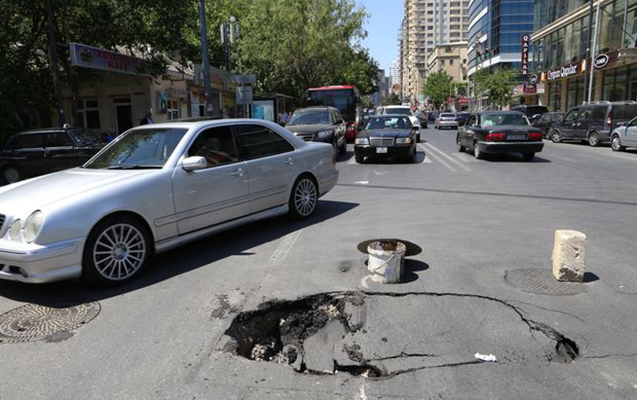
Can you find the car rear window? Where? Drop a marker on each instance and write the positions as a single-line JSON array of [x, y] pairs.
[[447, 115], [624, 112]]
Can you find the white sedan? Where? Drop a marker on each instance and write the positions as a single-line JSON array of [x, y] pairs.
[[404, 110], [153, 188]]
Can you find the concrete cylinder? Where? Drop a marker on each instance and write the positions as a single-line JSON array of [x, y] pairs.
[[569, 256], [386, 260]]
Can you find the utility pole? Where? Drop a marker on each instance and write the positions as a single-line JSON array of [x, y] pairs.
[[53, 57], [592, 72], [589, 53], [205, 59]]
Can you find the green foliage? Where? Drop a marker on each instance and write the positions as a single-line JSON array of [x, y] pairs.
[[497, 83], [439, 87], [392, 100]]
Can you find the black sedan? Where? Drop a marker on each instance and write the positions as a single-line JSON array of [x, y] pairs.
[[319, 124], [37, 152], [499, 132], [387, 136]]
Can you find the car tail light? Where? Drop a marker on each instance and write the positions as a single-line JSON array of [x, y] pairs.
[[351, 128], [495, 137], [535, 136], [609, 122]]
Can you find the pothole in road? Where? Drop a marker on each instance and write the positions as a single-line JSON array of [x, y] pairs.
[[33, 322], [336, 332]]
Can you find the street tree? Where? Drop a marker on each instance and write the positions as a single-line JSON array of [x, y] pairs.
[[439, 87], [392, 100], [497, 84]]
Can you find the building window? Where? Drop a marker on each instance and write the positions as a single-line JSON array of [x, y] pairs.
[[575, 91], [172, 111], [88, 114], [451, 61], [430, 35], [555, 96], [455, 19]]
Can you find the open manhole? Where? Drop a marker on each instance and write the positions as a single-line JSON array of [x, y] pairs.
[[541, 281], [33, 322], [353, 333]]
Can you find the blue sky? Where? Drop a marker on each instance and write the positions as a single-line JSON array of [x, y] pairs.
[[382, 30]]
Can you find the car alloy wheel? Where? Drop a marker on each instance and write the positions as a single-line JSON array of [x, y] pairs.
[[116, 251], [593, 139], [555, 137], [476, 151], [11, 175], [616, 144], [304, 197]]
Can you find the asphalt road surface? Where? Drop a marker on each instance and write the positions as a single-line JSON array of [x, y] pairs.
[[481, 285]]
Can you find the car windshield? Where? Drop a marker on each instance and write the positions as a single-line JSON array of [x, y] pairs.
[[387, 123], [399, 111], [504, 119], [310, 118], [84, 137], [139, 148]]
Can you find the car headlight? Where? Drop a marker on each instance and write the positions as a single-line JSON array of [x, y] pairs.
[[33, 226], [363, 141], [14, 231], [403, 140], [323, 134]]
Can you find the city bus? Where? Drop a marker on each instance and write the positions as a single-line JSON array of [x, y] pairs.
[[346, 99]]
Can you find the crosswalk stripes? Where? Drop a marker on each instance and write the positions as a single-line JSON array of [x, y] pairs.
[[439, 152], [429, 154]]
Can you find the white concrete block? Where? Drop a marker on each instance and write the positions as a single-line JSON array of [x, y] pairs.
[[569, 256]]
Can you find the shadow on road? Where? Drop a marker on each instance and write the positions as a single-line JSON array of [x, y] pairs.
[[512, 157], [410, 268], [175, 262]]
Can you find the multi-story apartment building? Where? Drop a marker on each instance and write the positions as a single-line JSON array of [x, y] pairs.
[[426, 24], [495, 32], [561, 42]]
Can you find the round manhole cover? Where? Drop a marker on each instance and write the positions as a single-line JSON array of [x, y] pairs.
[[33, 322], [541, 281]]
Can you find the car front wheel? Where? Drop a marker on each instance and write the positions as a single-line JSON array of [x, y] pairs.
[[555, 136], [11, 175], [304, 198], [616, 144], [116, 251]]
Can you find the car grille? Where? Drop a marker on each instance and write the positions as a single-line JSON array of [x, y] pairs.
[[2, 218], [307, 138], [381, 141]]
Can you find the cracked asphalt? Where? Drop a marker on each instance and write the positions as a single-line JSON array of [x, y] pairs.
[[164, 336]]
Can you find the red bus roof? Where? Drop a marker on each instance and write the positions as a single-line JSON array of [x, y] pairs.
[[337, 87]]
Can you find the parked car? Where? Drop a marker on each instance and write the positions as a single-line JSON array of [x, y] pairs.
[[624, 136], [387, 136], [319, 124], [532, 112], [546, 121], [593, 123], [154, 188], [422, 117], [446, 120], [432, 115], [462, 118], [491, 132], [404, 110], [37, 152]]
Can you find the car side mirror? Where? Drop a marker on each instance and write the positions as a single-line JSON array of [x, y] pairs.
[[194, 163]]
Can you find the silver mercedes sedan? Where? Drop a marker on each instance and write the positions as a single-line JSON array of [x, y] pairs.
[[154, 188]]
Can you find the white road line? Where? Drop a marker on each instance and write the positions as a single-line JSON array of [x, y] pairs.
[[351, 161], [441, 161], [284, 247], [465, 157], [427, 160], [442, 154]]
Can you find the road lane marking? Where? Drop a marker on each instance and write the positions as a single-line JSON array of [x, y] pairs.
[[284, 247], [351, 161], [426, 160], [443, 154], [465, 157], [362, 182], [441, 161]]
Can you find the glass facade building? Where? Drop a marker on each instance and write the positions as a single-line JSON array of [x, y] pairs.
[[495, 33], [560, 41]]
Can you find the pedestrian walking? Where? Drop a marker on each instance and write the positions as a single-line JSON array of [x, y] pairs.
[[284, 118], [148, 119]]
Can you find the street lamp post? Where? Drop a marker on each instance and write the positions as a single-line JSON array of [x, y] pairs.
[[205, 59]]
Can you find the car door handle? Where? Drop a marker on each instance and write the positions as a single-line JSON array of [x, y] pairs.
[[237, 172], [289, 161]]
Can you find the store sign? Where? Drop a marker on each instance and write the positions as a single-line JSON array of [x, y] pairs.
[[96, 58], [564, 72], [601, 61], [533, 79], [530, 89], [525, 54]]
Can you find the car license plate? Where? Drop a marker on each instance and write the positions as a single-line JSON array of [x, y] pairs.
[[381, 150], [516, 137]]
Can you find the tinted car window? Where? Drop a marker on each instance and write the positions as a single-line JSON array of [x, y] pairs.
[[398, 110], [446, 115], [624, 112], [571, 115], [599, 113], [310, 118], [471, 121], [388, 123], [28, 142], [504, 119], [216, 145], [258, 141], [58, 139], [586, 113]]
